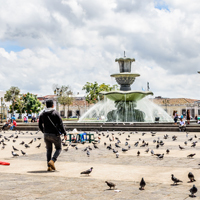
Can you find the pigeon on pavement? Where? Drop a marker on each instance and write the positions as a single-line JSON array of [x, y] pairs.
[[110, 184], [191, 177], [176, 180], [142, 184], [193, 190], [87, 171]]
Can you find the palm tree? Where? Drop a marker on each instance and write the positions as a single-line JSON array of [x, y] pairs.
[[12, 95]]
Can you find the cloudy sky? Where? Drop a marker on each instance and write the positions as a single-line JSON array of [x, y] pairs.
[[70, 42]]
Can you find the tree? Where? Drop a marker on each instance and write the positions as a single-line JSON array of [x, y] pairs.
[[12, 95], [65, 97], [27, 103], [93, 91], [33, 105], [20, 105]]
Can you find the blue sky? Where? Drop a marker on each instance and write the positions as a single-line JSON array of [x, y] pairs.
[[161, 5], [10, 46]]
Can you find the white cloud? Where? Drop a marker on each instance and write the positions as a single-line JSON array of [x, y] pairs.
[[70, 42]]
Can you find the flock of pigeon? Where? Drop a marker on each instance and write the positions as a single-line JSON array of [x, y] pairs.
[[13, 138], [113, 144]]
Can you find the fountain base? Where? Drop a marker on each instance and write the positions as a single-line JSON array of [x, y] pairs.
[[125, 112]]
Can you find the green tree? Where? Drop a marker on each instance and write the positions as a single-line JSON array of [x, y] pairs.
[[33, 105], [27, 103], [93, 91], [12, 96]]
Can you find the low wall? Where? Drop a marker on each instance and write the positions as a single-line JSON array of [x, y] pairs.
[[193, 127]]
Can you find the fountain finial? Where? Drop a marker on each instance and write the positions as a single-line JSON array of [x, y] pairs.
[[124, 55]]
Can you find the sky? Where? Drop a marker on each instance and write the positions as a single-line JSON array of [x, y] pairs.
[[71, 42]]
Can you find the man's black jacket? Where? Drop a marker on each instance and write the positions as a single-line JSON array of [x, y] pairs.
[[45, 124]]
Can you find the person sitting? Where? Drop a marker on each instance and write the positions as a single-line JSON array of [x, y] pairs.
[[182, 125], [6, 125], [14, 124], [33, 119]]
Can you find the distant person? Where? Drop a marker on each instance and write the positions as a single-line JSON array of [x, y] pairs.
[[50, 123], [6, 125], [14, 124], [175, 117], [188, 116], [13, 118], [33, 119], [196, 117], [24, 119], [182, 125]]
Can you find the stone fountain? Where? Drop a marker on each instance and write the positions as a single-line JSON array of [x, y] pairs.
[[125, 99]]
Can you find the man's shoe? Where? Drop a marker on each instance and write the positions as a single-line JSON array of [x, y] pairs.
[[51, 164], [49, 169]]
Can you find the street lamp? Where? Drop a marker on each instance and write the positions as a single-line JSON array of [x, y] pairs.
[[57, 92]]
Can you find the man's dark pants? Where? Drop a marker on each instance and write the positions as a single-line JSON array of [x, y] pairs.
[[51, 139]]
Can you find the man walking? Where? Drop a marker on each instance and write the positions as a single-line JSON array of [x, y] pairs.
[[50, 123]]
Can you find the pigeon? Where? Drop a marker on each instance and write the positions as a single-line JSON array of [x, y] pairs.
[[14, 154], [124, 150], [152, 152], [117, 145], [66, 149], [167, 151], [14, 148], [193, 190], [23, 153], [115, 151], [193, 144], [88, 153], [142, 184], [180, 147], [95, 146], [191, 177], [175, 179], [117, 155], [38, 146], [76, 148], [161, 156], [138, 153], [87, 171], [147, 150], [22, 143], [185, 142], [191, 155], [26, 145], [30, 142], [110, 184], [14, 140]]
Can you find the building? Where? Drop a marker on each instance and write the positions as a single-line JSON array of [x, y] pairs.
[[78, 107], [181, 105]]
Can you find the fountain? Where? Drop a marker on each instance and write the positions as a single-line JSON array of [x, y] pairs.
[[125, 99], [125, 105]]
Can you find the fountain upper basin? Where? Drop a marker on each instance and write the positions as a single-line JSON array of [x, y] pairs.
[[126, 95]]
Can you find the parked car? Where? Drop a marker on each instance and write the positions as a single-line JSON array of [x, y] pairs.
[[73, 117]]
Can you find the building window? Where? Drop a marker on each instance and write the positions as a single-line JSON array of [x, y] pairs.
[[69, 113], [199, 112], [192, 112]]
